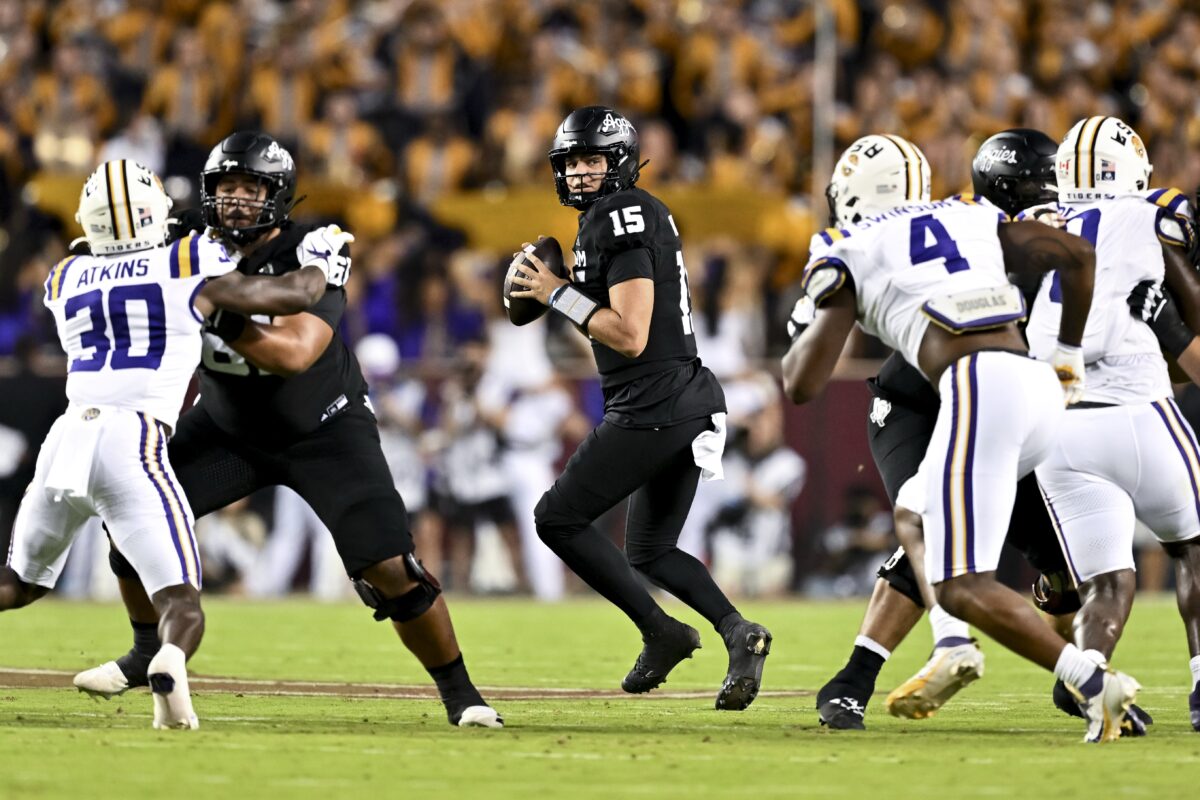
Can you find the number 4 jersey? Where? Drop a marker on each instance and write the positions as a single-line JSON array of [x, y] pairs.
[[1123, 360], [939, 261], [626, 235], [128, 326]]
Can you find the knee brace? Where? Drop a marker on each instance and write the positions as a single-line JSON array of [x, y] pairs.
[[407, 606], [898, 573], [120, 565]]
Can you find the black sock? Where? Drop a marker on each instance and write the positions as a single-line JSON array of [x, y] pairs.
[[145, 639], [602, 566], [861, 670], [685, 577], [455, 687]]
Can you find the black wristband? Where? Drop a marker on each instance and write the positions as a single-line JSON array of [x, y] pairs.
[[229, 325]]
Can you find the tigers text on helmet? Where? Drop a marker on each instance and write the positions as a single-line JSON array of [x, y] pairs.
[[1015, 170], [595, 129], [123, 208], [260, 156], [874, 174], [1101, 156]]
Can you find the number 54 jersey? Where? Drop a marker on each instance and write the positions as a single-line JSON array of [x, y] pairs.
[[128, 324], [1123, 358], [939, 261]]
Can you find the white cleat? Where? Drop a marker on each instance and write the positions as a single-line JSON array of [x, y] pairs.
[[480, 717], [1106, 710], [947, 670], [105, 681]]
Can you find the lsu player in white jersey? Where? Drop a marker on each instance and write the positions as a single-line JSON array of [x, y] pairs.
[[129, 317], [897, 263], [1125, 451]]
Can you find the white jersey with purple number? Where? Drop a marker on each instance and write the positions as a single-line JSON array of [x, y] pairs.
[[128, 324], [1124, 363], [902, 259]]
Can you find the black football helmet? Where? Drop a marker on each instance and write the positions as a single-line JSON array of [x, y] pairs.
[[259, 155], [1015, 170], [595, 129]]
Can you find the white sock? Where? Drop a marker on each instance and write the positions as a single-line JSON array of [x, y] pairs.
[[1075, 666], [946, 626], [1195, 665], [875, 647], [171, 660]]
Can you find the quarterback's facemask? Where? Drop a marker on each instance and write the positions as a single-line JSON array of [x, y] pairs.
[[261, 157], [1101, 156], [1014, 170], [595, 129], [123, 208], [874, 174]]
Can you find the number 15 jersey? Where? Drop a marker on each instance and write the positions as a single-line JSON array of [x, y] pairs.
[[623, 236], [128, 324], [901, 259]]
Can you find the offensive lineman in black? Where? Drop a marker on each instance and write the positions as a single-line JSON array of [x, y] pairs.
[[283, 402], [664, 411]]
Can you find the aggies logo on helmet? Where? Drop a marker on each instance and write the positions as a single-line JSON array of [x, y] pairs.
[[612, 123]]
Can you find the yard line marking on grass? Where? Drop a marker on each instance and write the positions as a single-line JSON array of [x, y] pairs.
[[25, 678]]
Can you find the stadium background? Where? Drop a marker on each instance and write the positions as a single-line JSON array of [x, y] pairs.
[[423, 127]]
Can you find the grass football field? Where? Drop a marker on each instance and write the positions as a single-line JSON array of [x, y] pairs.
[[328, 704]]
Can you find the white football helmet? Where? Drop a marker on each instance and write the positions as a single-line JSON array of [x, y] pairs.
[[1101, 156], [874, 174], [123, 208]]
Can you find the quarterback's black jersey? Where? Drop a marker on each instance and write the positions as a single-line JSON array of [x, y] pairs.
[[626, 235], [247, 402]]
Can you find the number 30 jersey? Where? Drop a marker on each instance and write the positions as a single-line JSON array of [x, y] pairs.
[[623, 236], [128, 326], [1124, 363], [902, 261]]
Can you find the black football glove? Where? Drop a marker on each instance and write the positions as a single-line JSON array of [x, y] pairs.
[[226, 324], [188, 221], [1150, 303]]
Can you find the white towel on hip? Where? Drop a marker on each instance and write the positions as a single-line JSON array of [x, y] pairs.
[[707, 449]]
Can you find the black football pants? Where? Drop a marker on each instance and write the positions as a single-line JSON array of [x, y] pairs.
[[655, 470]]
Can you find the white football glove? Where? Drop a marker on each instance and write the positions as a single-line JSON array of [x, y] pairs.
[[322, 248], [1067, 361], [803, 314]]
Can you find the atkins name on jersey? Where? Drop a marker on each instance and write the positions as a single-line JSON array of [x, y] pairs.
[[128, 324]]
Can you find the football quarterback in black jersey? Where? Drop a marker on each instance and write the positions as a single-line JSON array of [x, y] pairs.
[[663, 424], [1014, 170], [283, 402]]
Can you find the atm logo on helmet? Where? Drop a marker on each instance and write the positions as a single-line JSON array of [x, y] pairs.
[[619, 124]]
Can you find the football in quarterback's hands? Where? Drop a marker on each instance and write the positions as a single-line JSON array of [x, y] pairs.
[[524, 310]]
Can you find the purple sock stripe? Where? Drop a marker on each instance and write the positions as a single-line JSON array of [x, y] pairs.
[[1062, 540], [969, 466], [169, 479], [183, 570], [947, 506], [1166, 412], [174, 259]]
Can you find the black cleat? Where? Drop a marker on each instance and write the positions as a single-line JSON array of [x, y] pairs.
[[842, 709], [1136, 720], [749, 645], [661, 651], [1194, 706]]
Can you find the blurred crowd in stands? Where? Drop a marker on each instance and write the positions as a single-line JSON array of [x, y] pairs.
[[397, 110]]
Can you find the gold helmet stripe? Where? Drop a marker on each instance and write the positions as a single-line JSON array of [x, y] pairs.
[[112, 207], [912, 164], [128, 204], [1085, 179]]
